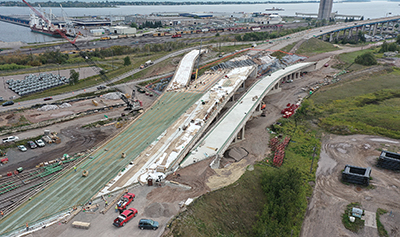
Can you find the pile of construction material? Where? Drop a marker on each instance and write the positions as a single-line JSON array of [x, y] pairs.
[[33, 83], [389, 160], [112, 96], [356, 175], [53, 107], [278, 147], [51, 137]]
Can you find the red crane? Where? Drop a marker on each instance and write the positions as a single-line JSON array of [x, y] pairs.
[[50, 24]]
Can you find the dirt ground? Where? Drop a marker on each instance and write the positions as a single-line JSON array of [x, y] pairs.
[[74, 138], [331, 196]]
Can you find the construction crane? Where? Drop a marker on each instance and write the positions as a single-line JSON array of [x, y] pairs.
[[132, 104]]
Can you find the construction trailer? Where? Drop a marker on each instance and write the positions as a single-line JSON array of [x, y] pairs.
[[389, 160], [356, 175]]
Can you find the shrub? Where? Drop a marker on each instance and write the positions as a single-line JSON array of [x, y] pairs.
[[366, 59]]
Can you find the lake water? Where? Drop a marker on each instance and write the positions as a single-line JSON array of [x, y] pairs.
[[12, 33]]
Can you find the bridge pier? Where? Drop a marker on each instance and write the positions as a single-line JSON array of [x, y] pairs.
[[330, 37], [337, 35], [375, 27], [324, 37]]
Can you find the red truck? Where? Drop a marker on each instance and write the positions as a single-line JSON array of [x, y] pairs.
[[124, 217], [125, 201], [177, 36]]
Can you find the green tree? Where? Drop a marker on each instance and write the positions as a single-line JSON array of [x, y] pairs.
[[133, 25], [366, 59], [127, 61], [398, 39], [73, 77], [284, 209], [217, 34]]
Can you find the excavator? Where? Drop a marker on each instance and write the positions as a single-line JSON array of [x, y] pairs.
[[132, 104]]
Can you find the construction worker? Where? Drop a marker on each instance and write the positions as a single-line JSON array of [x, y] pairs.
[[75, 168], [106, 204], [1, 213], [116, 208], [27, 226]]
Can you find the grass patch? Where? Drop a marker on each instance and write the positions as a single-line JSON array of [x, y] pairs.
[[288, 47], [314, 46], [360, 106], [355, 226], [381, 229], [347, 59], [244, 208], [357, 86]]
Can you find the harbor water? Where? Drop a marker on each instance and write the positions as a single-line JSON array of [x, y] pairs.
[[12, 33]]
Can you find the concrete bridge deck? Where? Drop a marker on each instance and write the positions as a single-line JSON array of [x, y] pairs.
[[222, 135]]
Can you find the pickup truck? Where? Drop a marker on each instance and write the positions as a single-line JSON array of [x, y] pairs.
[[125, 201], [124, 217], [10, 139]]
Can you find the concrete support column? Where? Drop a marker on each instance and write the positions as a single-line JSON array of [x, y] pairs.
[[337, 35], [374, 31], [330, 37], [382, 25], [350, 33], [324, 37], [363, 28], [357, 30], [370, 29], [240, 135]]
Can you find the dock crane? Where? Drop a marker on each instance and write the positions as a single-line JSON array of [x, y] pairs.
[[133, 104]]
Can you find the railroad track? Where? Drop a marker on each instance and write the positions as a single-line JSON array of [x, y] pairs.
[[16, 189]]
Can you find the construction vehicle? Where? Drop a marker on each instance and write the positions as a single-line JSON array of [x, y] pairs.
[[133, 105], [146, 64]]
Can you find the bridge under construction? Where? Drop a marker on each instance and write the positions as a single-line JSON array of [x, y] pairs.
[[159, 140]]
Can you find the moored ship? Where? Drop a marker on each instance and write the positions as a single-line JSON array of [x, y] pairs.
[[275, 9], [38, 25]]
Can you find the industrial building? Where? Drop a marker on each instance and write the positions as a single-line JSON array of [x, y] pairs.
[[122, 30]]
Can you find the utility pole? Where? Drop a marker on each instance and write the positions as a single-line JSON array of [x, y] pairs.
[[312, 159]]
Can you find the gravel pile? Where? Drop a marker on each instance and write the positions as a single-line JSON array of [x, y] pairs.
[[65, 105], [112, 96], [48, 108]]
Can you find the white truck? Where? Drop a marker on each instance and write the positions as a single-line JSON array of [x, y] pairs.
[[146, 64], [10, 139]]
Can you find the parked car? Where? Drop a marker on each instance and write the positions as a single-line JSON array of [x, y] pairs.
[[40, 143], [48, 98], [10, 102], [124, 217], [10, 139], [125, 201], [148, 224], [101, 87], [32, 145], [22, 148]]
